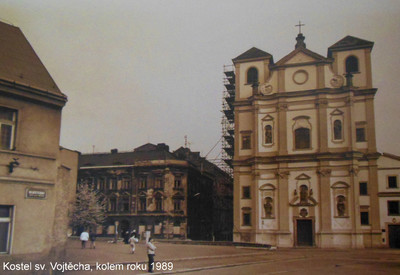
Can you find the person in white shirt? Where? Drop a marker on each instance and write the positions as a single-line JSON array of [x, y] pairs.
[[132, 241], [150, 253], [84, 238]]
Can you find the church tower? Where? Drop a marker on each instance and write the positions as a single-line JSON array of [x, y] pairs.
[[305, 159]]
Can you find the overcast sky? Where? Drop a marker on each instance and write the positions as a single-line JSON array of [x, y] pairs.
[[152, 71]]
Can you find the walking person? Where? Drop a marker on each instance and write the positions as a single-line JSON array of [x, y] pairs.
[[84, 238], [150, 253], [92, 238], [132, 241]]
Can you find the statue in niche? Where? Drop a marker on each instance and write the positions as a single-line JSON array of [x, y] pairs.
[[341, 207], [268, 134], [337, 130], [268, 207], [303, 194]]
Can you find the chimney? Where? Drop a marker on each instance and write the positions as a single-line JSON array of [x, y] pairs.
[[162, 146]]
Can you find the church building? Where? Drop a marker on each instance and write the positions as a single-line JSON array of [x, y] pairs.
[[306, 167]]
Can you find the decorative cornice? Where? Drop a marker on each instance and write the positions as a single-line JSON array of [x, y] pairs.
[[389, 194]]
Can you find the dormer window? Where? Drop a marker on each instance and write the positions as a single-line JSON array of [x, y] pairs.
[[252, 75], [352, 65]]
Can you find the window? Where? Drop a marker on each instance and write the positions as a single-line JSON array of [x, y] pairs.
[[252, 76], [360, 134], [363, 189], [142, 183], [113, 184], [113, 205], [246, 219], [159, 184], [101, 184], [337, 130], [392, 181], [159, 203], [246, 141], [142, 204], [177, 205], [125, 205], [5, 228], [302, 138], [126, 184], [352, 64], [393, 208], [177, 182], [268, 134], [364, 215], [8, 118], [246, 192]]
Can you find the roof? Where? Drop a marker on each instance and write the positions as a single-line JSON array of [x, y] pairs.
[[392, 156], [145, 152], [19, 62], [253, 53], [349, 43]]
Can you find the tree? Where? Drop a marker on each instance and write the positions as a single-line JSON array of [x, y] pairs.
[[89, 208]]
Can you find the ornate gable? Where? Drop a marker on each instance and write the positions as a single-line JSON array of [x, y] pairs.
[[301, 56]]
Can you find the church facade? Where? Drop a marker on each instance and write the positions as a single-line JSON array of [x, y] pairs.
[[306, 169]]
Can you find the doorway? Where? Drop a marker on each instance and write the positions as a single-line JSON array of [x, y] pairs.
[[394, 236], [305, 235]]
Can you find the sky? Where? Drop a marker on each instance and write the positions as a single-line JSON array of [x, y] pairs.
[[139, 71]]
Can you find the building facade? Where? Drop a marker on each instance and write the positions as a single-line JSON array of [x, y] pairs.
[[37, 176], [153, 189], [305, 157]]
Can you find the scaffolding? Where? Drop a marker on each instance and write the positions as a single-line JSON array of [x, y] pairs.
[[228, 118]]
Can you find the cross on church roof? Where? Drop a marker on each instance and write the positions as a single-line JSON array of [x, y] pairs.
[[299, 25]]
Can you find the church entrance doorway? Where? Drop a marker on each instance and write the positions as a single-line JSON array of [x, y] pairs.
[[394, 236], [304, 232]]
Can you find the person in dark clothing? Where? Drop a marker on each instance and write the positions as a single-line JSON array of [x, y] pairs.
[[150, 253]]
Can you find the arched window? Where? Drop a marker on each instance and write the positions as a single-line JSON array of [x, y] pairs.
[[352, 64], [268, 134], [252, 76], [302, 138], [337, 130]]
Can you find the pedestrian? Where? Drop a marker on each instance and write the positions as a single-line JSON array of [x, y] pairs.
[[84, 238], [92, 237], [126, 237], [150, 253], [132, 241]]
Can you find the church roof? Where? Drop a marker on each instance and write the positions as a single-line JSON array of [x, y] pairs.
[[349, 43], [19, 62], [253, 53]]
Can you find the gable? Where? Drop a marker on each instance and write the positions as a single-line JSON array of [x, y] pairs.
[[300, 58], [387, 160], [20, 63]]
